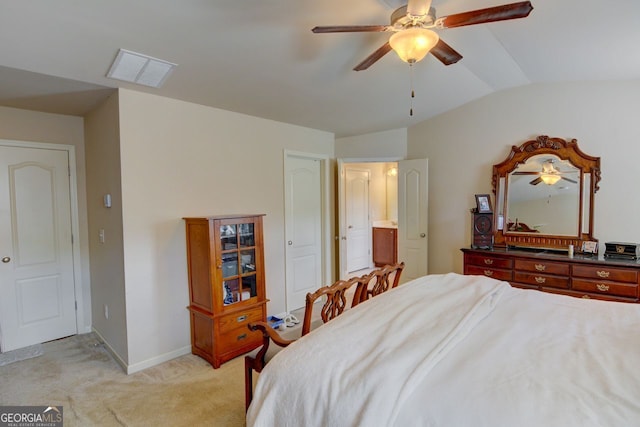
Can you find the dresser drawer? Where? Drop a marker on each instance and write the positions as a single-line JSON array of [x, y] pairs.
[[606, 287], [494, 273], [488, 261], [605, 273], [240, 319], [585, 295], [542, 279], [237, 338], [543, 267]]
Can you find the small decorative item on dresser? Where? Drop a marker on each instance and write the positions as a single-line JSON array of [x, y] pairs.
[[482, 230], [483, 202], [589, 247], [622, 250]]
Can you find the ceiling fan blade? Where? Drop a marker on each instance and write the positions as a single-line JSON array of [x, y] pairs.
[[570, 180], [491, 14], [536, 181], [445, 53], [526, 173], [418, 7], [371, 59], [350, 29]]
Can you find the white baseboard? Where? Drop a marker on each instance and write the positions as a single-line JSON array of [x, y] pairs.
[[137, 367]]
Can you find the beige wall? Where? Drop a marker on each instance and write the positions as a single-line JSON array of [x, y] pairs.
[[390, 144], [462, 145], [107, 259], [180, 159], [31, 126]]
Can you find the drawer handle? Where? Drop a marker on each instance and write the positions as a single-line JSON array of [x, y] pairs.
[[540, 279], [242, 337], [540, 267], [586, 297], [241, 318], [488, 261], [603, 274], [602, 287], [488, 273]]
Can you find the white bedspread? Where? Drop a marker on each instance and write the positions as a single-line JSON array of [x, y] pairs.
[[360, 367], [452, 350]]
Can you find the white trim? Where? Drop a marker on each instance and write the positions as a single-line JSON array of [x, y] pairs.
[[137, 367], [75, 227]]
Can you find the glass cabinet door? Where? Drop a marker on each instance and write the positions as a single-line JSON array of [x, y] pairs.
[[238, 262]]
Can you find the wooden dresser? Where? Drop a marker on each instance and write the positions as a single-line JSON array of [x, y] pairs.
[[580, 276]]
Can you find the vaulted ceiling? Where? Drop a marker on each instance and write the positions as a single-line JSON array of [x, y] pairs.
[[260, 57]]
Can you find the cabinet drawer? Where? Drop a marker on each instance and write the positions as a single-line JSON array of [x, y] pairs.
[[489, 261], [494, 273], [605, 287], [542, 279], [605, 273], [543, 267], [240, 319], [237, 338]]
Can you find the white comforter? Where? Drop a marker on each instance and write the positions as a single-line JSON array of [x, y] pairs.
[[452, 350]]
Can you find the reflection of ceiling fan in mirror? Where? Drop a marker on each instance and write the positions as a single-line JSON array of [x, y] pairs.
[[549, 174], [413, 38]]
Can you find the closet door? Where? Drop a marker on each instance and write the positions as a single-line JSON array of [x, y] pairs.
[[36, 272]]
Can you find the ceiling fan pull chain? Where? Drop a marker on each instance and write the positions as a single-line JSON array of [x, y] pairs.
[[413, 95]]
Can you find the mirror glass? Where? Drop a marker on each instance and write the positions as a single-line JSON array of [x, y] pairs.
[[543, 197]]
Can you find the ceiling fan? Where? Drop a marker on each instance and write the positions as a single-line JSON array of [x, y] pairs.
[[549, 174], [413, 38]]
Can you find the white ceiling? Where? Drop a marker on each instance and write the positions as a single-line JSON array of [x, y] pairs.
[[260, 57]]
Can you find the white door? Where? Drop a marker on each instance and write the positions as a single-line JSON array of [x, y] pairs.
[[303, 229], [357, 219], [412, 217], [36, 272]]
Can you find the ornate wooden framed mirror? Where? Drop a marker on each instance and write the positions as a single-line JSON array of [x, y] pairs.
[[544, 192]]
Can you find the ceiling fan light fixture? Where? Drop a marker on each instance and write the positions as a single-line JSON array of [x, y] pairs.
[[549, 178], [413, 44]]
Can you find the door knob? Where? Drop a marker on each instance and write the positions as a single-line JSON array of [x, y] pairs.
[[289, 243], [351, 226], [422, 235], [6, 259]]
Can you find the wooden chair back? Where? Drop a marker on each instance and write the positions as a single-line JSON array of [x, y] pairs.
[[379, 281], [335, 304]]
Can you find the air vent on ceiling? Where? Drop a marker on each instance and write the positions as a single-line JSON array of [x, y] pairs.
[[141, 69]]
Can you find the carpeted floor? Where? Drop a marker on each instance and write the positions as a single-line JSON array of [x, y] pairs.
[[20, 354], [79, 374]]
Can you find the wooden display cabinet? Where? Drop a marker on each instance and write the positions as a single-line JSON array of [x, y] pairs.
[[225, 261]]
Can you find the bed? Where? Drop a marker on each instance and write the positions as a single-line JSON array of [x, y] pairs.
[[453, 350]]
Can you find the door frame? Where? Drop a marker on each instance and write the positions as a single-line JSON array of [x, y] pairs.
[[325, 225], [341, 227], [75, 223]]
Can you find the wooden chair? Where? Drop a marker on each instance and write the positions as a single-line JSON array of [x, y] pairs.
[[335, 304], [379, 280]]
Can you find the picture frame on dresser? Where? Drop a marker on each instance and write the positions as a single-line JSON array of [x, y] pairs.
[[483, 203], [589, 247]]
